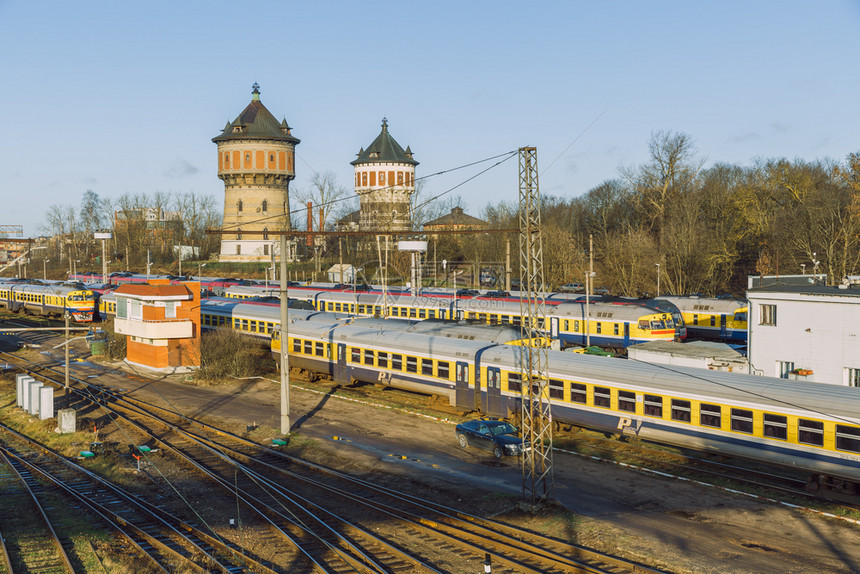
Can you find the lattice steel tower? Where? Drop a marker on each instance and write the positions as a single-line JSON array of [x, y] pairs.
[[538, 484]]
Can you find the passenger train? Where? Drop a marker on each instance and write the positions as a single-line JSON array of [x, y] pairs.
[[811, 427], [49, 298], [714, 318], [616, 324]]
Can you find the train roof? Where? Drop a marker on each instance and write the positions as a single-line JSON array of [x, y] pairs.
[[58, 289], [692, 304]]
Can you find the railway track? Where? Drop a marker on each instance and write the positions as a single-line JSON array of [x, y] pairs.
[[342, 523], [166, 542], [29, 539]]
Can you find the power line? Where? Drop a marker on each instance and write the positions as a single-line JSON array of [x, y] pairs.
[[506, 155]]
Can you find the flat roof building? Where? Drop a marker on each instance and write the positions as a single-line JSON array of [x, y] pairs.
[[806, 332]]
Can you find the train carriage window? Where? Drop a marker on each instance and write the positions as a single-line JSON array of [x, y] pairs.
[[556, 389], [653, 405], [602, 397], [309, 347], [695, 319], [431, 313], [599, 324], [253, 326], [742, 421], [427, 367], [627, 401], [382, 359], [775, 426], [515, 383], [337, 306], [422, 313], [576, 326], [412, 312], [320, 352], [396, 362], [710, 415], [354, 355], [810, 432], [578, 393], [444, 370], [411, 365], [244, 324], [680, 410], [713, 320], [615, 328], [368, 357], [644, 325], [848, 438], [297, 346]]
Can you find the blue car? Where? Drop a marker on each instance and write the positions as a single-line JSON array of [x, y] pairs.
[[499, 437]]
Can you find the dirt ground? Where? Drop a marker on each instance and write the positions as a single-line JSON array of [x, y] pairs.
[[664, 523]]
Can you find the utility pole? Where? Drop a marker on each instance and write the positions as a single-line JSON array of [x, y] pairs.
[[285, 343], [66, 317], [538, 483], [103, 237], [508, 265]]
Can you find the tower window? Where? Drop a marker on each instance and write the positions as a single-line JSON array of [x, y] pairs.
[[239, 205], [227, 158], [265, 233], [364, 179], [265, 206], [272, 157], [399, 178], [381, 178], [239, 234]]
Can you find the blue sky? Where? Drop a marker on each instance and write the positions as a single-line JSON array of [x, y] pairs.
[[122, 97]]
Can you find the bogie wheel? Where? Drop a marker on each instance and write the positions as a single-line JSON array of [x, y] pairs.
[[461, 438], [497, 451]]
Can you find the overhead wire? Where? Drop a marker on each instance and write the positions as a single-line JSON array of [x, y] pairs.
[[506, 155]]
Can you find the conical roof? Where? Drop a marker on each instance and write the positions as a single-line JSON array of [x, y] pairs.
[[384, 149], [256, 122]]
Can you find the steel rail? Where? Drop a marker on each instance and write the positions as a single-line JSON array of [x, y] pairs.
[[55, 539], [456, 532], [119, 498]]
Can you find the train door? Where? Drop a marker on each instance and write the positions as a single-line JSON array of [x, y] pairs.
[[464, 396], [553, 327], [723, 334], [493, 396], [626, 334], [341, 375]]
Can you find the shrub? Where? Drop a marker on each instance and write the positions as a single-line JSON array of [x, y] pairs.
[[226, 354]]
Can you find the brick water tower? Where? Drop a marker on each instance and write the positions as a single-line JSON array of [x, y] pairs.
[[256, 162]]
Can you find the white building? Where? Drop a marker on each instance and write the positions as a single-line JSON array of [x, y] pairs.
[[807, 332]]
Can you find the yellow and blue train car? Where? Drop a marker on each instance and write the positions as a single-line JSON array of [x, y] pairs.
[[49, 299], [714, 318], [812, 427]]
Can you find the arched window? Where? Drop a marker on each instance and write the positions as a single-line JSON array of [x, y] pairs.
[[239, 206], [265, 206], [239, 234], [265, 231], [227, 158]]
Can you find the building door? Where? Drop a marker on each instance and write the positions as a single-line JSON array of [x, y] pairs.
[[463, 394], [341, 375], [493, 396]]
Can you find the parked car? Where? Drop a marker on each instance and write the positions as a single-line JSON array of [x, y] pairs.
[[498, 437], [498, 294], [572, 288], [601, 291], [467, 292]]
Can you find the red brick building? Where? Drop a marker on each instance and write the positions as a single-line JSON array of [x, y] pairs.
[[162, 323]]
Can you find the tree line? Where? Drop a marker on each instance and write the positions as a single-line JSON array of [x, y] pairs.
[[708, 229], [141, 224], [704, 230]]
